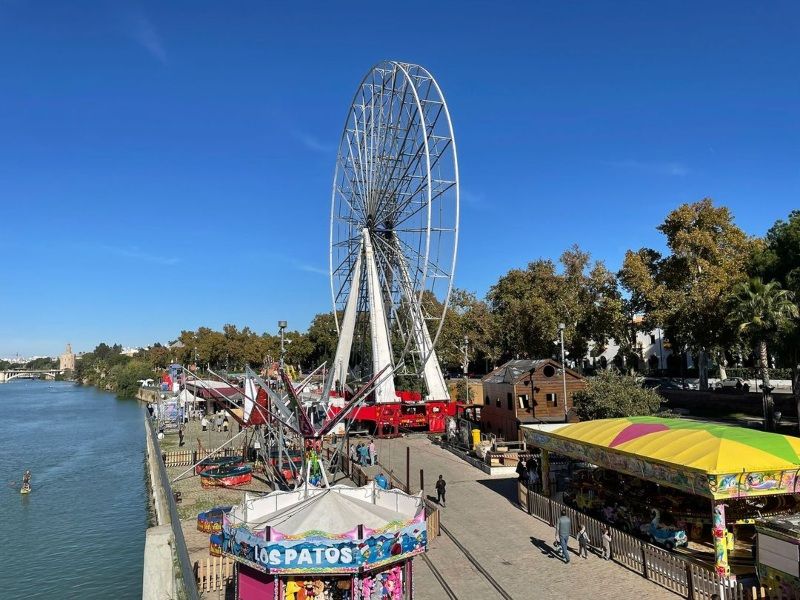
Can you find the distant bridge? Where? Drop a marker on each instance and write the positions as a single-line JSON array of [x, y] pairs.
[[6, 376]]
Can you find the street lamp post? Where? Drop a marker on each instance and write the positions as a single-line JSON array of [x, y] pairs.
[[561, 328], [282, 326]]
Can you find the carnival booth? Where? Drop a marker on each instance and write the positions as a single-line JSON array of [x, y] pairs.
[[337, 543], [676, 480]]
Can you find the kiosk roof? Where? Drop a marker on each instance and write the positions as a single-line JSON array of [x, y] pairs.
[[711, 448]]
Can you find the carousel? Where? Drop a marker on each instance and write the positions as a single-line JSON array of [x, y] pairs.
[[335, 543], [692, 486]]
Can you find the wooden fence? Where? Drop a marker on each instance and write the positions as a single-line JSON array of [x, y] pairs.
[[214, 573], [184, 458], [667, 569]]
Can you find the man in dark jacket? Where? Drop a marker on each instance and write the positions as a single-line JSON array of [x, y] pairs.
[[441, 484]]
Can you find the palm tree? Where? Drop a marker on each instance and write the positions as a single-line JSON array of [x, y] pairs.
[[759, 310]]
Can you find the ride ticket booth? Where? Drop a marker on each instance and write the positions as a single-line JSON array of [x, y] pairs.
[[337, 543], [710, 480]]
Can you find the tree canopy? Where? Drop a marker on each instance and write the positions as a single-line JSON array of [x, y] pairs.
[[611, 395]]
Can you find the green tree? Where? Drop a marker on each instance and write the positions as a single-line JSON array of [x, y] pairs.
[[470, 318], [759, 311], [685, 291], [611, 395], [780, 262], [322, 337], [529, 304], [126, 378]]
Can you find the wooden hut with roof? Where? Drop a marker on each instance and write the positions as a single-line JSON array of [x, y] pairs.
[[527, 391]]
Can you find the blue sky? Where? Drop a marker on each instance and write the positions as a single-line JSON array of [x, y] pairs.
[[165, 165]]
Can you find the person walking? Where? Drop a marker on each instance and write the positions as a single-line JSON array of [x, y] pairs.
[[180, 436], [606, 543], [563, 528], [583, 542], [204, 423], [372, 459], [218, 423], [364, 454], [441, 486], [522, 472], [225, 424], [353, 453]]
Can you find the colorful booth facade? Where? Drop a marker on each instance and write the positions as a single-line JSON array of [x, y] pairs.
[[716, 461], [335, 543]]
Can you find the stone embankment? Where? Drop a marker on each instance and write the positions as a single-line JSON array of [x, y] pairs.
[[160, 578]]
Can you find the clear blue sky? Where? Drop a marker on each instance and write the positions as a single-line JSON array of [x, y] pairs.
[[165, 165]]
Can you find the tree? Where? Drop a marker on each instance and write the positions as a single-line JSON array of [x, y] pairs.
[[759, 310], [322, 337], [126, 377], [529, 304], [611, 395], [685, 291], [467, 317], [780, 262]]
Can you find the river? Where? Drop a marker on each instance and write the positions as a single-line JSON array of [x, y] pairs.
[[80, 532]]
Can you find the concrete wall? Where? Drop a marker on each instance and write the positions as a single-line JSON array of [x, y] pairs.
[[158, 577]]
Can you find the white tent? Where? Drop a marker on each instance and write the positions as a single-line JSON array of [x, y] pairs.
[[335, 510]]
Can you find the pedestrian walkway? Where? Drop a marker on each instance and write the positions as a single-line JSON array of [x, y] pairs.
[[515, 548]]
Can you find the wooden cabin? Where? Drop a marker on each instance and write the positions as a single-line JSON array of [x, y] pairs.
[[526, 391]]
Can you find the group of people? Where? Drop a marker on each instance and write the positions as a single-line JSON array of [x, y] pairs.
[[563, 530], [219, 421], [528, 472], [364, 454]]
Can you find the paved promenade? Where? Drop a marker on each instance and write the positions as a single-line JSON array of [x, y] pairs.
[[510, 544]]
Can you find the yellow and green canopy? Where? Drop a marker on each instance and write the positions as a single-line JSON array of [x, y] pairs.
[[708, 458]]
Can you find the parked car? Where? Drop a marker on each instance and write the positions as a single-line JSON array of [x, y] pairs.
[[733, 383]]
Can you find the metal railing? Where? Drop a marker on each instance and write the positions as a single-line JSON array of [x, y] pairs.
[[187, 572], [665, 568]]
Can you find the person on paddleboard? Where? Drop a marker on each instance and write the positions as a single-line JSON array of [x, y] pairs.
[[26, 480]]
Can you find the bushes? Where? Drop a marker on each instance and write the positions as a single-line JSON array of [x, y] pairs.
[[612, 395], [753, 373]]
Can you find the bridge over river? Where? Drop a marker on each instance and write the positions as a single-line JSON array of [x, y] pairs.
[[11, 374]]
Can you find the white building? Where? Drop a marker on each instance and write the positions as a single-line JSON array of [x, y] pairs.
[[651, 347]]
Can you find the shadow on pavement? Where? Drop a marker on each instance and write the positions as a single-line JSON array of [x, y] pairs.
[[546, 549], [507, 488]]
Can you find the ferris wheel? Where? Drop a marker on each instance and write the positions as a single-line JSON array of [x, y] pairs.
[[394, 227]]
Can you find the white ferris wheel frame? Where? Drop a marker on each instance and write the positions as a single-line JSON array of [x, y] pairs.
[[365, 167]]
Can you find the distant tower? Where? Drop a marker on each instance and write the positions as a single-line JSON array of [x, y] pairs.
[[66, 362]]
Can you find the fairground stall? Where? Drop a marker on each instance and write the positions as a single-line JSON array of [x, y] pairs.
[[337, 543], [678, 482]]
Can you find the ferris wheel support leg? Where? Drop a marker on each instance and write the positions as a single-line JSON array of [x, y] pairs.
[[342, 358], [431, 371], [379, 328]]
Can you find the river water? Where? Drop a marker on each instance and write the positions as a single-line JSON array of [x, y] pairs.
[[80, 532]]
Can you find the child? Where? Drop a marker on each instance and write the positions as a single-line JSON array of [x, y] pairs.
[[583, 542], [606, 543]]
